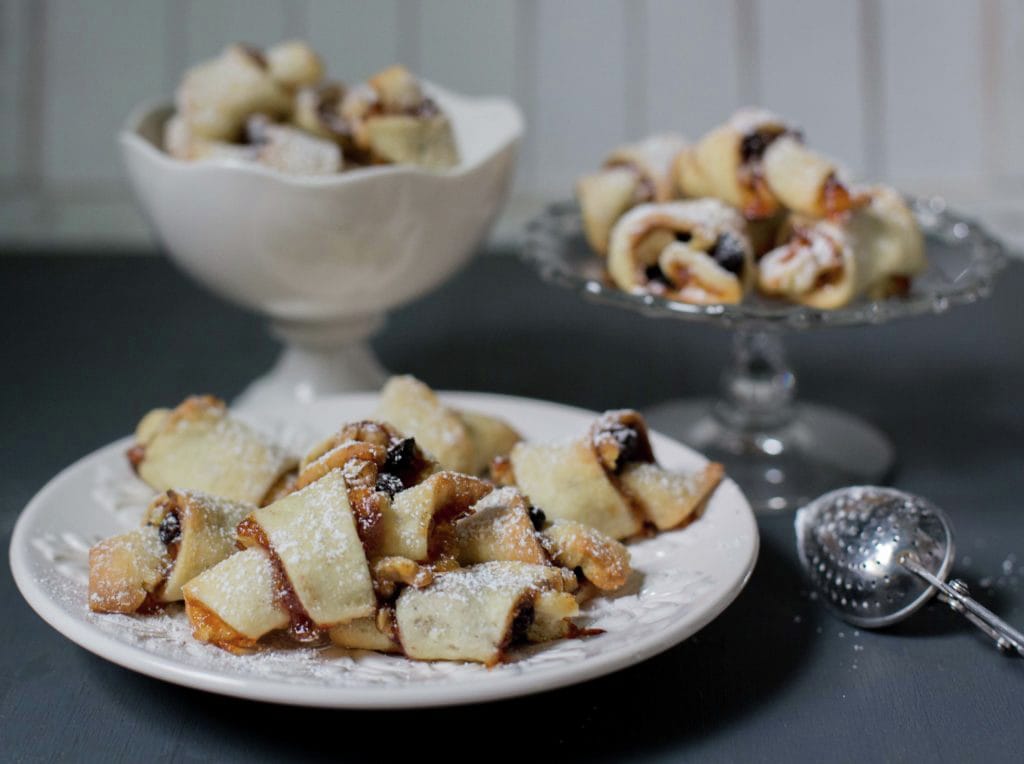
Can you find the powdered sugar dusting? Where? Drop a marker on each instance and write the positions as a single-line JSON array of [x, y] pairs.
[[676, 575], [794, 267], [662, 589]]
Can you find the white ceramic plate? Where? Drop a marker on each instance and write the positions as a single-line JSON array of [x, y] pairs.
[[684, 579]]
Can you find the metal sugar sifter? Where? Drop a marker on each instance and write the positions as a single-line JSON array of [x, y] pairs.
[[878, 554]]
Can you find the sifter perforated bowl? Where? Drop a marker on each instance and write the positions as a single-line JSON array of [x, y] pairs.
[[876, 555]]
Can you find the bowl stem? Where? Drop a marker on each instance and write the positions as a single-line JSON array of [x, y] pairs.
[[319, 359]]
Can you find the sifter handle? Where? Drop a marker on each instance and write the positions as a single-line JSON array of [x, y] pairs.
[[957, 596]]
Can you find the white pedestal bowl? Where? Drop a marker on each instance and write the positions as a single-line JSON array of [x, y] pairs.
[[324, 257]]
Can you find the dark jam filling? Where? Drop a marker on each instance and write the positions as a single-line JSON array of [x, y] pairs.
[[256, 54], [302, 628], [170, 529], [400, 455], [426, 109], [538, 518], [389, 484], [628, 440], [728, 251], [521, 624], [328, 103], [404, 461], [754, 144], [657, 281], [136, 455]]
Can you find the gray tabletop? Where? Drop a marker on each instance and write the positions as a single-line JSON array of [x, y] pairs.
[[91, 342]]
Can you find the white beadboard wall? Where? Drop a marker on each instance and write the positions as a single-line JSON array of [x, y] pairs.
[[928, 94]]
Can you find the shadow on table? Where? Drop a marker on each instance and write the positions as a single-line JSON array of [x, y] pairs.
[[733, 666]]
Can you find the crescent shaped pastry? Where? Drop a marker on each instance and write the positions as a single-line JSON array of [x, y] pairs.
[[826, 264], [376, 462], [692, 251], [216, 97], [199, 446], [804, 181], [392, 120], [235, 603], [726, 163], [553, 611], [294, 64], [608, 480], [318, 111], [198, 531], [501, 527], [460, 440], [289, 149], [573, 480], [668, 499], [652, 159], [418, 522], [376, 439], [504, 526], [568, 481], [476, 613], [182, 143], [312, 536], [125, 570], [632, 174], [185, 533], [603, 560]]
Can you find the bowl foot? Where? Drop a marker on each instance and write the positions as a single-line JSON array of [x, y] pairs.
[[303, 374], [783, 467]]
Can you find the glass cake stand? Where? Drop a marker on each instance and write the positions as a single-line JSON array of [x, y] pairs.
[[782, 452]]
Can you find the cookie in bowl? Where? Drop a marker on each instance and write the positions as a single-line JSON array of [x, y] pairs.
[[275, 108]]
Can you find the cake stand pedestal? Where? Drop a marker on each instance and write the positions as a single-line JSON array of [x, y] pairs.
[[782, 452]]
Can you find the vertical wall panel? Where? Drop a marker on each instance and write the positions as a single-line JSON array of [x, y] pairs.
[[933, 106], [15, 43], [102, 58], [692, 64], [581, 88], [356, 38], [1004, 43], [211, 24], [927, 93], [810, 71], [469, 47]]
